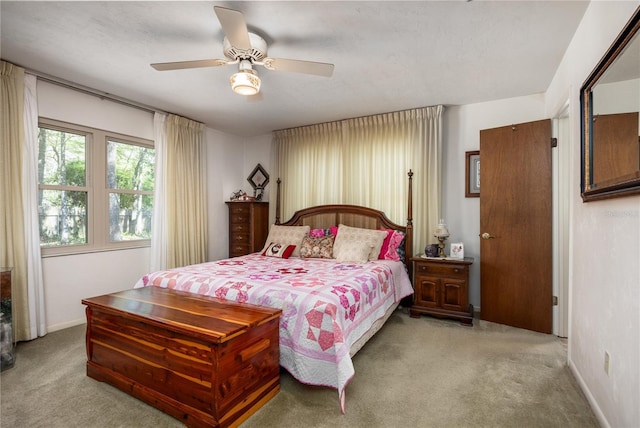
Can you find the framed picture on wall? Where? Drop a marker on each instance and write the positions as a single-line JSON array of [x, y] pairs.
[[472, 174]]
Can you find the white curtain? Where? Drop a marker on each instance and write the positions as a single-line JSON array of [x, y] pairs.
[[19, 230], [159, 222], [364, 161], [35, 285], [186, 192]]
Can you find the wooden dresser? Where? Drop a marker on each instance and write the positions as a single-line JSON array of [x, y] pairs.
[[248, 227], [205, 361], [441, 288]]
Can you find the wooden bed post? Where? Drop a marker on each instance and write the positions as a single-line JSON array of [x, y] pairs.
[[278, 181], [409, 235]]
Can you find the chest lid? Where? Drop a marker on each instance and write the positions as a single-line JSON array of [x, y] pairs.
[[207, 317]]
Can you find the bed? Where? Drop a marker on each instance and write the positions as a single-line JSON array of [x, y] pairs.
[[336, 291]]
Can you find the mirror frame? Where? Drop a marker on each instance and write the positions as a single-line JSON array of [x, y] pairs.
[[589, 191]]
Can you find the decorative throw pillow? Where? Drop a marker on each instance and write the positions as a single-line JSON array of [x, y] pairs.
[[373, 238], [278, 250], [287, 235], [317, 233], [353, 252], [391, 244], [321, 247]]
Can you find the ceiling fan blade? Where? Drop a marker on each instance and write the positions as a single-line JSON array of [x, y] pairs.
[[164, 66], [234, 27], [297, 66]]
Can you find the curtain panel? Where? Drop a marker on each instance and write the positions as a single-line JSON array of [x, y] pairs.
[[19, 230], [364, 161], [185, 192], [35, 280], [159, 221]]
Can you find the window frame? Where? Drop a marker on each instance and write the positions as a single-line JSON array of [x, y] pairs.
[[96, 141]]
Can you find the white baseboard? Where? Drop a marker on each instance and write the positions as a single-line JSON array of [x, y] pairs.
[[602, 420], [62, 326]]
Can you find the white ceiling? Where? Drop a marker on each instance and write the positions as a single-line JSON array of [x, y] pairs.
[[388, 56]]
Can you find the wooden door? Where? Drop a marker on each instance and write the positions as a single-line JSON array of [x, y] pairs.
[[616, 152], [515, 226]]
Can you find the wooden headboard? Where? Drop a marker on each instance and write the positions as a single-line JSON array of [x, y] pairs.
[[325, 216]]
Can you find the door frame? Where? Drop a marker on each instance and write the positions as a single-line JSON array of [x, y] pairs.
[[561, 212]]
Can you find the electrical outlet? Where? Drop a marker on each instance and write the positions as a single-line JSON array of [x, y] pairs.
[[607, 363]]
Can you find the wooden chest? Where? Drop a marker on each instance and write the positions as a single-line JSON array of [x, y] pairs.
[[248, 227], [204, 361]]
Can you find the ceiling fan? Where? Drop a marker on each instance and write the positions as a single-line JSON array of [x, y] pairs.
[[246, 49]]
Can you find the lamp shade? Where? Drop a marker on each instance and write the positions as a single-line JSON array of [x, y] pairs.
[[441, 230], [245, 82]]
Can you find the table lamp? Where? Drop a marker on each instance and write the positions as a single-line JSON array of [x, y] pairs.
[[441, 233]]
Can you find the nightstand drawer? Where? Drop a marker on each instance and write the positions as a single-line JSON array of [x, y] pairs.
[[434, 269]]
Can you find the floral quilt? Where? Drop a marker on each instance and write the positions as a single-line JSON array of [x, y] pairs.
[[326, 305]]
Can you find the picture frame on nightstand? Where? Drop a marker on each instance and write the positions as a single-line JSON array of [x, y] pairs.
[[457, 250]]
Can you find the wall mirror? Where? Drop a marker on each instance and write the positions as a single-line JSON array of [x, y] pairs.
[[610, 102]]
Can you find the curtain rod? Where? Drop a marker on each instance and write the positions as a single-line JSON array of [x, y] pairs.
[[361, 117], [94, 92]]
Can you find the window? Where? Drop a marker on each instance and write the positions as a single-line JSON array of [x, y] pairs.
[[130, 175], [62, 195], [95, 189]]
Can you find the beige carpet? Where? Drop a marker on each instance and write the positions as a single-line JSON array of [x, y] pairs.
[[413, 373]]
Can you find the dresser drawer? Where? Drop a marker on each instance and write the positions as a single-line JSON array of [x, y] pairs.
[[436, 269], [239, 209], [239, 238], [236, 250], [239, 219], [240, 228]]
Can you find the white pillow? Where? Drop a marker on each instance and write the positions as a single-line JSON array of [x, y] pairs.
[[372, 238], [353, 252], [287, 235]]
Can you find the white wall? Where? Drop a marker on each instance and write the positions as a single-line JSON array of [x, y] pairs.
[[604, 249], [69, 279], [462, 125], [257, 150]]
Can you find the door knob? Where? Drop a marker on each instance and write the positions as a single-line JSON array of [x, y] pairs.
[[487, 236]]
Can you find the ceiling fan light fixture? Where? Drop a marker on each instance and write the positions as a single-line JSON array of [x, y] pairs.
[[245, 82]]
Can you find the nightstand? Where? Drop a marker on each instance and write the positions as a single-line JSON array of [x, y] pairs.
[[441, 288]]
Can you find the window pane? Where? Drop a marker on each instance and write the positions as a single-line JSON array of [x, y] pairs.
[[129, 166], [129, 216], [61, 158], [63, 217]]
